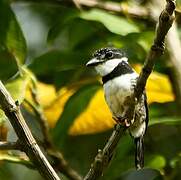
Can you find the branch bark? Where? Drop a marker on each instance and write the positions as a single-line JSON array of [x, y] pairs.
[[103, 157], [26, 140]]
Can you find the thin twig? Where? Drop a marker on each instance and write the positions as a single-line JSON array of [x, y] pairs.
[[42, 122], [10, 145], [38, 110], [104, 156], [165, 22], [26, 139], [76, 2], [60, 163], [134, 11]]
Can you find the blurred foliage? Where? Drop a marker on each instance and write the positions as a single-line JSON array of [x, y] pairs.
[[12, 41], [47, 46]]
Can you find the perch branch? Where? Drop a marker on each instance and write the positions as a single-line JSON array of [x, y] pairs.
[[26, 140], [165, 22]]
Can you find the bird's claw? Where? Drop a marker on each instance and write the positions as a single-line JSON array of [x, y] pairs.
[[123, 121]]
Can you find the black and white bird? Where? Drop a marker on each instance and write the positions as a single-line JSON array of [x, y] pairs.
[[119, 80]]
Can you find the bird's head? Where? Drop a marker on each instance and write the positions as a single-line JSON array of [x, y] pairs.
[[106, 59]]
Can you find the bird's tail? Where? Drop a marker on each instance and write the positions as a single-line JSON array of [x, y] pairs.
[[139, 153]]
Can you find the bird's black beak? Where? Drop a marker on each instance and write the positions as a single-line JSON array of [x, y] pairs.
[[93, 62]]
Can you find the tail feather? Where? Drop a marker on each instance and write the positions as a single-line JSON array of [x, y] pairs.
[[139, 154]]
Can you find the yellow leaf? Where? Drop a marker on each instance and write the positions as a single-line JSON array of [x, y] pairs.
[[54, 110], [46, 94], [158, 87], [93, 119]]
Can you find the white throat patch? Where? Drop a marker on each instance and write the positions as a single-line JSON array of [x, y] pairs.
[[106, 67]]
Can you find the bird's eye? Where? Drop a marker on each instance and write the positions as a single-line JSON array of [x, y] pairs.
[[109, 55]]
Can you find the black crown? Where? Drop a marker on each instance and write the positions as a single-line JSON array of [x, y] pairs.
[[118, 53]]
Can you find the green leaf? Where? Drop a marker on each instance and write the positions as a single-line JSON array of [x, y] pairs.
[[74, 75], [11, 36], [3, 118], [56, 61], [75, 37], [15, 159], [74, 106], [8, 65], [146, 39], [165, 120], [113, 23], [156, 162], [175, 161], [17, 87], [79, 34], [67, 16]]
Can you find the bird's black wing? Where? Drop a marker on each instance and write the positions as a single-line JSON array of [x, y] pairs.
[[147, 110]]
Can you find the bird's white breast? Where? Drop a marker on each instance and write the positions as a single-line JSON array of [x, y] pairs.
[[116, 90]]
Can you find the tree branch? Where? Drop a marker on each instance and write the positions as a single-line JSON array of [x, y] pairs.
[[26, 139], [133, 11], [103, 157], [10, 146]]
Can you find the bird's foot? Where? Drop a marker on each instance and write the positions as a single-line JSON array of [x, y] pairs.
[[123, 121]]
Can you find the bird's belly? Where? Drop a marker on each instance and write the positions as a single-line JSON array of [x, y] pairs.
[[116, 91]]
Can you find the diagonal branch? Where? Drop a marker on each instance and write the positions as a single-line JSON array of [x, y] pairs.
[[26, 139], [103, 157]]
